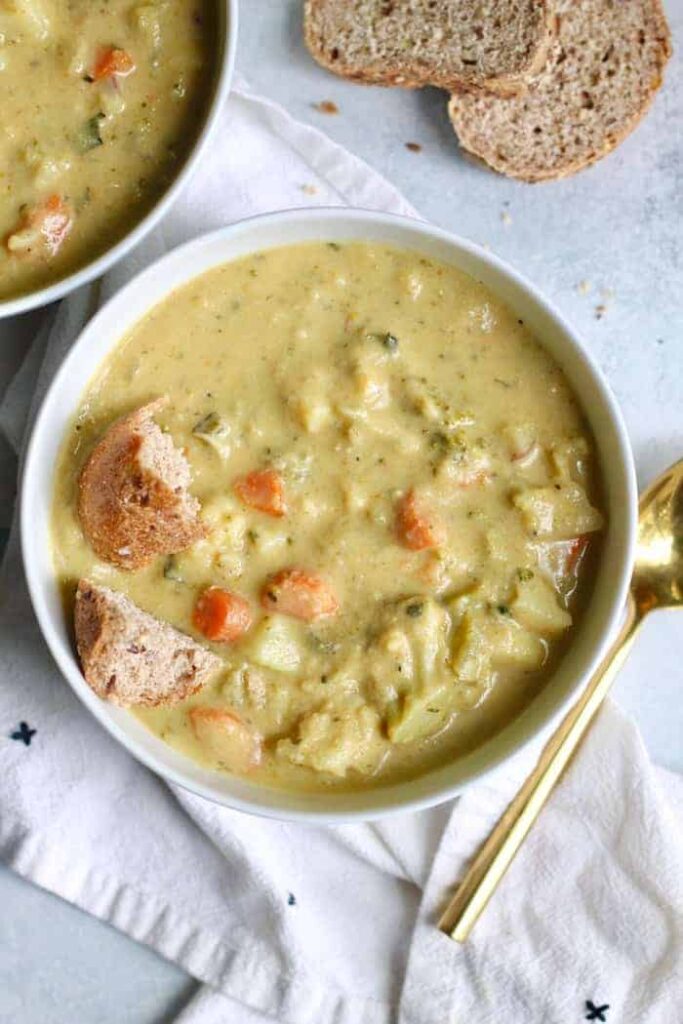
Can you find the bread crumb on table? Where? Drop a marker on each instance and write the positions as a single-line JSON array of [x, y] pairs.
[[583, 287], [600, 311], [506, 218], [309, 190], [414, 147], [326, 107]]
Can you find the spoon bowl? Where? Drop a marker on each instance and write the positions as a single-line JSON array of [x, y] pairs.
[[658, 571]]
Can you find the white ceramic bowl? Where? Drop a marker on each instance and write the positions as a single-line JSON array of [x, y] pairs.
[[151, 287], [225, 64]]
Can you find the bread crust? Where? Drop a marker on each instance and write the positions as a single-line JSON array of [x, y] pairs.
[[130, 658], [130, 511], [414, 77], [534, 174]]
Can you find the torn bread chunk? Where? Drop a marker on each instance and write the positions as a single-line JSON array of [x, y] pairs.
[[130, 658], [134, 500]]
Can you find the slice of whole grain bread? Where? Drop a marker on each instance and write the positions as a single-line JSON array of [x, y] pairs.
[[134, 502], [128, 657], [481, 44], [603, 71]]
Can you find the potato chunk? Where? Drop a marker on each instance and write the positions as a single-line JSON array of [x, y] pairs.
[[514, 646], [275, 644], [557, 513], [485, 640], [535, 605]]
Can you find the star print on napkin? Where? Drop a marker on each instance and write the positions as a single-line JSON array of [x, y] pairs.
[[23, 733], [596, 1012]]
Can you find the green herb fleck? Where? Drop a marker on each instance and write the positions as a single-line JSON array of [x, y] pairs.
[[172, 570], [415, 610], [390, 342], [209, 424], [89, 137], [503, 609], [323, 646], [524, 575]]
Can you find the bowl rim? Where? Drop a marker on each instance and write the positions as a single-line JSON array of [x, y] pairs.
[[41, 297], [386, 805]]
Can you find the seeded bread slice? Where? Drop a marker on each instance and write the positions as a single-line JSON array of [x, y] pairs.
[[482, 44], [134, 502], [130, 658], [602, 74]]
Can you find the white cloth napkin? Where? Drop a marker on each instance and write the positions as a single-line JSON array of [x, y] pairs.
[[330, 926]]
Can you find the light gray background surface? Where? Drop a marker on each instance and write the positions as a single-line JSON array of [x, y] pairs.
[[617, 227]]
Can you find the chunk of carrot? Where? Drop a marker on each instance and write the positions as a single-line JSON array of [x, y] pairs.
[[264, 490], [416, 528], [574, 552], [222, 616], [42, 228], [226, 737], [303, 595], [111, 61]]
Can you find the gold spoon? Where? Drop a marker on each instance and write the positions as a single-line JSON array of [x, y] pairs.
[[657, 583]]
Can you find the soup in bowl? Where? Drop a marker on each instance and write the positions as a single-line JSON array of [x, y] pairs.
[[103, 110], [332, 523]]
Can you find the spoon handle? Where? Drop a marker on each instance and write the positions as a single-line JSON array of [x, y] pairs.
[[493, 859]]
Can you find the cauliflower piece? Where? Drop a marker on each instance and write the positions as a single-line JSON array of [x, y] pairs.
[[336, 741]]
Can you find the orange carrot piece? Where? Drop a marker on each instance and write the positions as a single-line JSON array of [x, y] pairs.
[[575, 550], [303, 595], [227, 737], [415, 528], [45, 225], [56, 222], [111, 61], [222, 616], [264, 490]]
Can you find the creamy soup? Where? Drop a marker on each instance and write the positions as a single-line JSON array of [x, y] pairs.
[[100, 103], [401, 500]]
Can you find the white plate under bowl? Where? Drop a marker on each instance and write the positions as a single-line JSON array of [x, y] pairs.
[[226, 43], [119, 315]]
